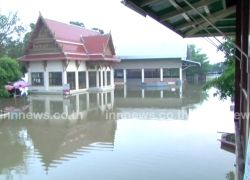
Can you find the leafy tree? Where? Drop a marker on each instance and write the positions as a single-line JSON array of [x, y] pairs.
[[230, 175], [194, 54], [19, 48], [217, 68], [9, 72], [28, 35], [77, 23], [99, 30], [14, 48], [10, 35], [225, 82]]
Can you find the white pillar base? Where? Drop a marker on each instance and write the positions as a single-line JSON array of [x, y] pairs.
[[180, 75], [161, 74], [124, 76], [77, 80], [142, 75], [87, 80]]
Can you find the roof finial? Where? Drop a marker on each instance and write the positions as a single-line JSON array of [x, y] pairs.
[[40, 14]]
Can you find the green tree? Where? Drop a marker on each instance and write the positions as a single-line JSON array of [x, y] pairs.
[[14, 48], [9, 72], [98, 30], [230, 175], [10, 35], [225, 82], [77, 23], [27, 36], [217, 68], [194, 54]]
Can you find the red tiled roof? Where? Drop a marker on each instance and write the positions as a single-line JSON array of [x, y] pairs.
[[68, 32], [96, 44], [76, 48], [76, 43]]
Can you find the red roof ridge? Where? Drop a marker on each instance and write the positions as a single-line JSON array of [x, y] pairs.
[[68, 42], [73, 25], [74, 53], [74, 42], [64, 23], [82, 40]]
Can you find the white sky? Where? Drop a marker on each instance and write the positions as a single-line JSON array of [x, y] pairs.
[[133, 35]]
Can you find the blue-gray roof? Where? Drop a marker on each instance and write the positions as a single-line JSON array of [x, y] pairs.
[[147, 58]]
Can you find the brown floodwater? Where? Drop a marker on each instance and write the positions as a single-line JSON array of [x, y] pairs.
[[129, 133]]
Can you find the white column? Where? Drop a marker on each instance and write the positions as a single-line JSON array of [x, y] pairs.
[[112, 98], [46, 80], [161, 96], [102, 100], [87, 79], [161, 74], [77, 104], [180, 89], [181, 75], [87, 101], [66, 108], [97, 78], [105, 77], [142, 93], [106, 98], [125, 91], [142, 75], [64, 77], [111, 77], [77, 80], [98, 99], [101, 76], [124, 76]]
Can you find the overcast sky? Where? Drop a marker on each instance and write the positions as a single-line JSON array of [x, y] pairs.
[[133, 34]]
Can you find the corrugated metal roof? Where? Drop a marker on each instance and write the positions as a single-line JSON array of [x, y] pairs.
[[186, 17]]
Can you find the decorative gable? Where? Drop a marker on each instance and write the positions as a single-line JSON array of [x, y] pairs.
[[52, 40], [42, 41], [109, 49]]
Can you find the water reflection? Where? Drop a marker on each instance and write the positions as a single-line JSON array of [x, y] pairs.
[[79, 106], [85, 128], [55, 139], [13, 149], [49, 146], [172, 102]]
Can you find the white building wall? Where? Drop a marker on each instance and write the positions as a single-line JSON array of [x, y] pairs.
[[54, 66], [148, 64], [58, 66], [35, 67], [82, 67], [144, 64], [71, 66]]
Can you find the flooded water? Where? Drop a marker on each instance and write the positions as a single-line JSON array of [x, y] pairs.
[[127, 134]]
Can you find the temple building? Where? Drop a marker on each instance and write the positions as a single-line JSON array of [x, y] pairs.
[[61, 55]]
